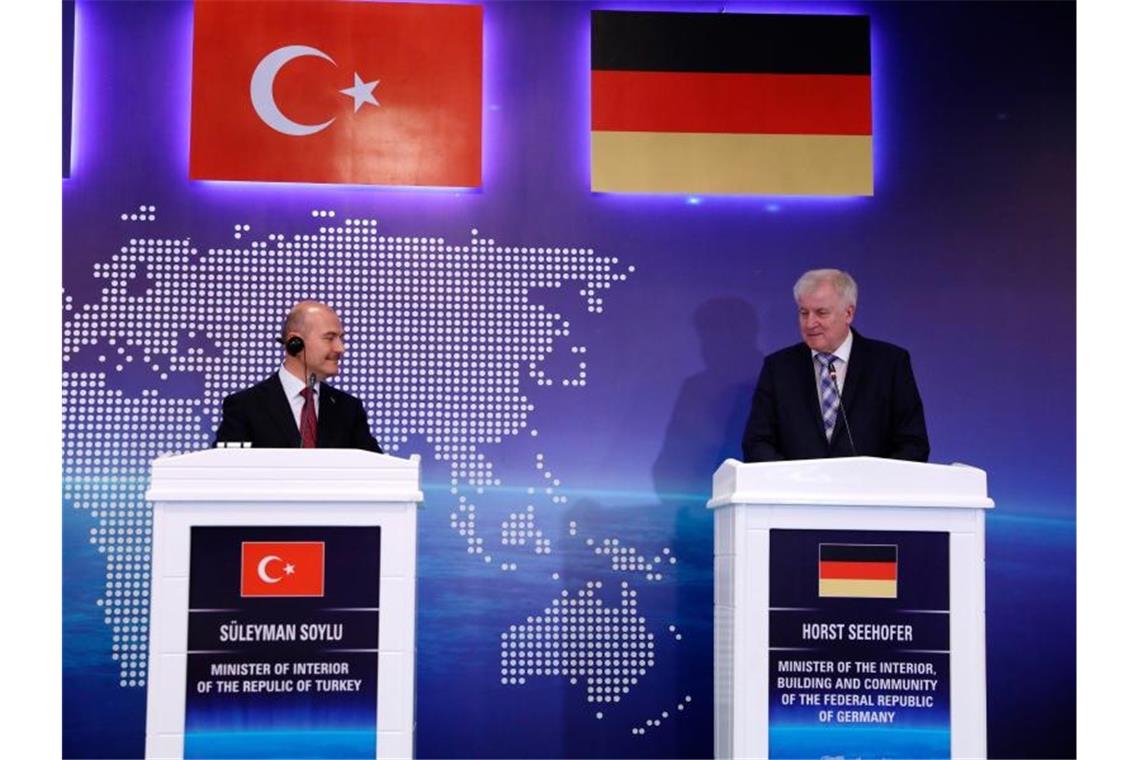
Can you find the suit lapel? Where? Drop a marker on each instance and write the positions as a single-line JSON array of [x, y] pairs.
[[280, 411], [326, 417], [810, 391]]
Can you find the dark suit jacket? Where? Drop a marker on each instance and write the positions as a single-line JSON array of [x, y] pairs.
[[879, 394], [261, 415]]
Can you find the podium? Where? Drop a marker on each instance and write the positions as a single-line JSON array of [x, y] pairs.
[[283, 597], [849, 609]]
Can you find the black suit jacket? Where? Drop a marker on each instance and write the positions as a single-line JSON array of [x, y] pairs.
[[262, 416], [879, 394]]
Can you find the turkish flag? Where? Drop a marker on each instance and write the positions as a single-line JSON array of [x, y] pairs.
[[337, 92], [283, 568]]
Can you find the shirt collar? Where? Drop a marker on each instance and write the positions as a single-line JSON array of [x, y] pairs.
[[843, 353], [294, 385]]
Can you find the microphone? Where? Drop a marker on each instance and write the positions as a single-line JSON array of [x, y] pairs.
[[842, 410]]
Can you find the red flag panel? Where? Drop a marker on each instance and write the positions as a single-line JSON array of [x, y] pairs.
[[344, 92]]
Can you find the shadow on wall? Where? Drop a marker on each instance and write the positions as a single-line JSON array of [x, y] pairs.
[[708, 417]]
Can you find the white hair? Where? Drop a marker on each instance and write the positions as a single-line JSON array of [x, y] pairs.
[[843, 283]]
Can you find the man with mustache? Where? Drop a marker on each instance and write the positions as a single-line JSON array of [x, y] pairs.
[[294, 407]]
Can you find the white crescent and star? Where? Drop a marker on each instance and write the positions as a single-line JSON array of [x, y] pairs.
[[361, 92], [263, 569], [261, 91]]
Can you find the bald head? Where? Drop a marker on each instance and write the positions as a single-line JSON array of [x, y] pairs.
[[320, 328], [300, 315]]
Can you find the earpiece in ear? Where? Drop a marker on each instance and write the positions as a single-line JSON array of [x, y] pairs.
[[294, 345]]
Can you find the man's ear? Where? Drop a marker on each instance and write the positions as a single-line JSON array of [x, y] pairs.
[[294, 345]]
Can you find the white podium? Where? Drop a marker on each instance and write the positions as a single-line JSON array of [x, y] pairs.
[[850, 593], [283, 615]]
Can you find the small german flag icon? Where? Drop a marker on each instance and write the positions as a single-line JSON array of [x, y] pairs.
[[859, 570]]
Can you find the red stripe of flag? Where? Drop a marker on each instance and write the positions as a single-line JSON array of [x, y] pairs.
[[869, 571], [793, 104]]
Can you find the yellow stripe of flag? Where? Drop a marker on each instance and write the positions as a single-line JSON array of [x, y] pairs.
[[730, 164], [880, 589]]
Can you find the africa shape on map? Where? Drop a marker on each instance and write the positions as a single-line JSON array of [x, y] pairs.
[[443, 340]]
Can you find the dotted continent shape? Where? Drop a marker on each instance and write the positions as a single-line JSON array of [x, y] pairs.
[[577, 636], [441, 338]]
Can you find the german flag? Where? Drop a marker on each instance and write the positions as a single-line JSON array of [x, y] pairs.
[[859, 570], [730, 103]]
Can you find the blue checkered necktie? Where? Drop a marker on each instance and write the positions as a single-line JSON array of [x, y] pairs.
[[828, 393]]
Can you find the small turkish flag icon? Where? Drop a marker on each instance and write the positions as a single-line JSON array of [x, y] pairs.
[[357, 93], [283, 568]]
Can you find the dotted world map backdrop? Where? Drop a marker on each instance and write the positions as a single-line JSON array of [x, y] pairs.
[[445, 341], [571, 367]]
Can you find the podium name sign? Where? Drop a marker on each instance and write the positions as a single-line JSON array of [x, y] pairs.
[[859, 644], [283, 638]]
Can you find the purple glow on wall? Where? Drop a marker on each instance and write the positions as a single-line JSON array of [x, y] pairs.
[[583, 95], [493, 95], [179, 132], [96, 109], [83, 100], [881, 126]]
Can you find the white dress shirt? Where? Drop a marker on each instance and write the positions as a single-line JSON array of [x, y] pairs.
[[293, 387]]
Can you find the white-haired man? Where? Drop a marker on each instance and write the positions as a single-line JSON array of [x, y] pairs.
[[796, 411]]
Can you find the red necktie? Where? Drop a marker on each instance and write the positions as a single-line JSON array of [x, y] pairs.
[[308, 420]]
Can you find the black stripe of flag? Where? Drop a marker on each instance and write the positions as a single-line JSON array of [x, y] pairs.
[[737, 42], [858, 553]]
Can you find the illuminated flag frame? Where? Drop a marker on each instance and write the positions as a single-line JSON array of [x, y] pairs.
[[726, 103]]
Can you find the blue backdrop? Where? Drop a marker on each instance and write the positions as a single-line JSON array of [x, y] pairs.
[[572, 366]]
